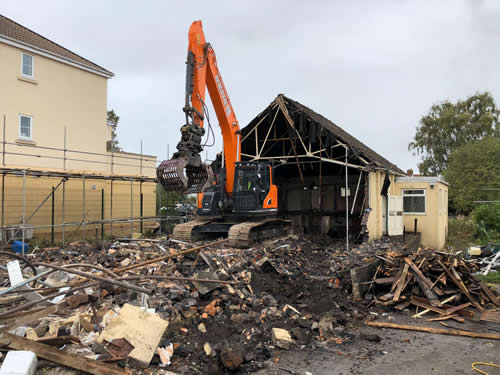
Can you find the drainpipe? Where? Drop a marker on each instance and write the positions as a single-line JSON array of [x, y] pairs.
[[346, 204]]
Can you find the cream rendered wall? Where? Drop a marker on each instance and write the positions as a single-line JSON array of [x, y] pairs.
[[59, 96], [62, 96], [433, 225], [130, 164], [375, 183], [38, 188]]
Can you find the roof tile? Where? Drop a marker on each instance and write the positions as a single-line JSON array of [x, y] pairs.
[[16, 32]]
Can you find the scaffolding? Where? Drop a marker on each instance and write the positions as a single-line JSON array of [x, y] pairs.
[[64, 175]]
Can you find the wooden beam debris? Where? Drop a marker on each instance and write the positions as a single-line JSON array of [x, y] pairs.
[[452, 332], [455, 277], [49, 353]]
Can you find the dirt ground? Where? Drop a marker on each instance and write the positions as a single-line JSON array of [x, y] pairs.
[[398, 352]]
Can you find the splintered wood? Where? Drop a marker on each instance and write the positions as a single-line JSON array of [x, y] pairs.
[[453, 332], [435, 282]]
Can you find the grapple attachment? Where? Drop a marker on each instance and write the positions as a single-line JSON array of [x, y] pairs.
[[178, 175]]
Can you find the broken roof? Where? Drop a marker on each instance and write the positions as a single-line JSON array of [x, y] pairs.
[[11, 31], [314, 118]]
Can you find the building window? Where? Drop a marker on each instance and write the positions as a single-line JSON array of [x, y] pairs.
[[27, 62], [414, 201], [25, 127]]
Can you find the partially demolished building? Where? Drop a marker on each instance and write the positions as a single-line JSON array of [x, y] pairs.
[[316, 164]]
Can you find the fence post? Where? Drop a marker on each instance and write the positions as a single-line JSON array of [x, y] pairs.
[[84, 219], [24, 207], [3, 208], [102, 214], [3, 142], [142, 202], [63, 204], [53, 223], [131, 211]]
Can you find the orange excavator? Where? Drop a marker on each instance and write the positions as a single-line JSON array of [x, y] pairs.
[[235, 199]]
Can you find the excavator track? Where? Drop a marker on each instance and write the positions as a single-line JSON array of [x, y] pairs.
[[184, 231], [249, 232]]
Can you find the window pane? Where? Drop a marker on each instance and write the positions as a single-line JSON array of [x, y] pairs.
[[414, 204], [413, 192], [25, 127], [27, 65]]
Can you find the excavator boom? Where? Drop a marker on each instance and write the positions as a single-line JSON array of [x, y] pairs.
[[185, 171]]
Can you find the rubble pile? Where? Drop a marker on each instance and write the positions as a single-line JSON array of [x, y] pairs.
[[162, 306], [434, 282], [157, 304]]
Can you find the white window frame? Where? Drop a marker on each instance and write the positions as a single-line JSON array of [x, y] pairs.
[[403, 193], [32, 76], [31, 128]]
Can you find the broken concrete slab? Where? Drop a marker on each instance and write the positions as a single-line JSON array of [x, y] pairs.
[[19, 363], [204, 288], [209, 351], [266, 266], [360, 275], [142, 329], [282, 338], [16, 277]]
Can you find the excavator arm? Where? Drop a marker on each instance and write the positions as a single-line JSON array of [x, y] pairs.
[[185, 171]]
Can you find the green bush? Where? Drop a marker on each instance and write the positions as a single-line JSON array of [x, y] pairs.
[[489, 214], [487, 220], [461, 225]]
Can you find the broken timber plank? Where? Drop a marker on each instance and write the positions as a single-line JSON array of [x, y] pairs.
[[423, 278], [457, 308], [444, 317], [58, 356], [445, 310], [453, 332], [418, 302], [384, 280], [490, 316], [489, 293], [397, 279], [401, 306], [458, 282], [58, 340], [427, 310], [401, 283], [33, 317], [439, 278], [428, 292]]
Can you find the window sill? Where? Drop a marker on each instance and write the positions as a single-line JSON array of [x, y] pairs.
[[27, 142], [27, 79], [415, 213]]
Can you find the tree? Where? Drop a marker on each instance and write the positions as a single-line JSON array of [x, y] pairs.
[[448, 126], [112, 121], [473, 174]]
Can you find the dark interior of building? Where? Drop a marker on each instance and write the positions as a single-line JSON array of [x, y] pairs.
[[309, 163]]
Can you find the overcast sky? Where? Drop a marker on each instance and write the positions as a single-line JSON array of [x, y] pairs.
[[372, 67]]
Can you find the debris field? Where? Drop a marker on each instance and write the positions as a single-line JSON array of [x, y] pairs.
[[161, 306]]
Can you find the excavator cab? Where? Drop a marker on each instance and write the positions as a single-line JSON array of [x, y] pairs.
[[254, 192]]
